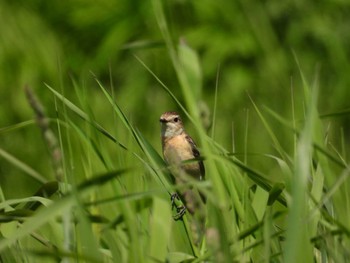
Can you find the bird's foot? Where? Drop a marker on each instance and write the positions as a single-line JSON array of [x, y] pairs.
[[180, 210], [173, 197]]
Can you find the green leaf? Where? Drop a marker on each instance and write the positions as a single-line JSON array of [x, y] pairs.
[[189, 61], [275, 192], [160, 229], [22, 166]]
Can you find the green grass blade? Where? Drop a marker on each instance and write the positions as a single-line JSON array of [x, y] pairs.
[[177, 102], [22, 166], [270, 132], [57, 208], [17, 126], [160, 230], [84, 116], [298, 247]]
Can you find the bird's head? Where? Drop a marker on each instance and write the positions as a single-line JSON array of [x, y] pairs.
[[171, 124]]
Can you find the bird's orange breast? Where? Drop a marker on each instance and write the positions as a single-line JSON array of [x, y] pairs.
[[176, 150]]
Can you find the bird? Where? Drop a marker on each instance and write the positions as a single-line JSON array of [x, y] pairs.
[[179, 147]]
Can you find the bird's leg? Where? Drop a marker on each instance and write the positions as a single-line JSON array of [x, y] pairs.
[[173, 197], [180, 210]]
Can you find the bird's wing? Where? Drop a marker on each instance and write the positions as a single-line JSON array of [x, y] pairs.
[[196, 154]]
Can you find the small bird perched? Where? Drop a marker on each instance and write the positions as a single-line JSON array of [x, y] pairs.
[[178, 147]]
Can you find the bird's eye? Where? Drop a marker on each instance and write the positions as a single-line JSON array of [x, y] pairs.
[[176, 119]]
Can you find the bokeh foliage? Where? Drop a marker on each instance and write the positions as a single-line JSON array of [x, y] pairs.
[[252, 42], [246, 49]]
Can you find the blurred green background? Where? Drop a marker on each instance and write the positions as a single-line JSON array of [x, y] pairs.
[[254, 45]]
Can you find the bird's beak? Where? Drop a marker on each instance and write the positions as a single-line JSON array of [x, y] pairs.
[[163, 120]]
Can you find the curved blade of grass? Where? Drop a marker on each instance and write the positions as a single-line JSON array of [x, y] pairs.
[[215, 103], [258, 178], [164, 87], [335, 114], [332, 190], [146, 147], [275, 193], [58, 208], [282, 164], [183, 76], [22, 166], [15, 215], [129, 197], [89, 142], [85, 116], [17, 126], [13, 202], [270, 132], [153, 155], [315, 145], [142, 44], [251, 230]]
